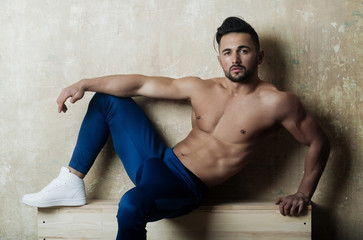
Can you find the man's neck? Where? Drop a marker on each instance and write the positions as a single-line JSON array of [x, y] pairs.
[[242, 88]]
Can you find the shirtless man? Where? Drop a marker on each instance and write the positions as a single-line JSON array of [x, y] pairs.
[[231, 116]]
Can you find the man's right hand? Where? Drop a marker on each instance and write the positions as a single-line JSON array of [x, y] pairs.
[[75, 92]]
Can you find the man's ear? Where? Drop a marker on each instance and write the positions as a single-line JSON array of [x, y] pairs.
[[260, 57]]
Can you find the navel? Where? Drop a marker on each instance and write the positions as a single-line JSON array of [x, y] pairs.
[[198, 117], [243, 131]]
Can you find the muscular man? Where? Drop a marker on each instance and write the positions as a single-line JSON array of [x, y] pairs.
[[231, 116]]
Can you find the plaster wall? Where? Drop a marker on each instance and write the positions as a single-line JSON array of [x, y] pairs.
[[312, 48]]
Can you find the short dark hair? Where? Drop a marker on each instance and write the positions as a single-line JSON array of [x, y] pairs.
[[237, 25]]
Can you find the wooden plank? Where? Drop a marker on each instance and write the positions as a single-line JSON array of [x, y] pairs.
[[97, 220]]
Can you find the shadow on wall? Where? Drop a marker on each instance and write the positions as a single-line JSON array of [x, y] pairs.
[[274, 68], [325, 218]]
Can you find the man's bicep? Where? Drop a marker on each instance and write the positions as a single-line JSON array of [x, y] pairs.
[[186, 87], [168, 88], [302, 125], [297, 120]]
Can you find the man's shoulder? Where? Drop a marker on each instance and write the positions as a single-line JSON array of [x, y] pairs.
[[274, 95], [282, 103], [277, 99]]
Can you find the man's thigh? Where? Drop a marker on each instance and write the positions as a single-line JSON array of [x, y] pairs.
[[169, 195], [134, 137]]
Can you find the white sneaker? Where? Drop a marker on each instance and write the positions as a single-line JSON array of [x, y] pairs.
[[65, 190]]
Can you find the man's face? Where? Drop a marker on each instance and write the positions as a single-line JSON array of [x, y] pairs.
[[238, 57]]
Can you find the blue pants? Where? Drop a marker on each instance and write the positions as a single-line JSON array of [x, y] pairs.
[[164, 188]]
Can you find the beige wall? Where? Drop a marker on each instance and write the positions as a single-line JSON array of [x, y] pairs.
[[313, 48]]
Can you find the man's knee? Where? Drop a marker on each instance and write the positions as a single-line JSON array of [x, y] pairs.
[[131, 216], [127, 205], [132, 208], [108, 104]]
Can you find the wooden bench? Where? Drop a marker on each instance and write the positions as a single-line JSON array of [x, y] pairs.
[[97, 220]]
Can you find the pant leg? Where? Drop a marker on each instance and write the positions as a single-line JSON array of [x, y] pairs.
[[133, 135], [160, 194]]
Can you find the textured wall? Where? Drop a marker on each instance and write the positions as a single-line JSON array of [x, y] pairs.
[[313, 48]]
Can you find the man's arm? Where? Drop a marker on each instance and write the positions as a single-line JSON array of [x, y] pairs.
[[130, 85], [306, 130]]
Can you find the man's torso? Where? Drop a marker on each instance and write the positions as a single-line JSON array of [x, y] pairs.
[[226, 128]]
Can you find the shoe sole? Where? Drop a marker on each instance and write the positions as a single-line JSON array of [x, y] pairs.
[[59, 202]]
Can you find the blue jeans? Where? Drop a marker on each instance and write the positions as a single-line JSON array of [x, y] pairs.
[[164, 188]]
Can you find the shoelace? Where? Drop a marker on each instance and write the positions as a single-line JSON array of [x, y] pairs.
[[54, 184]]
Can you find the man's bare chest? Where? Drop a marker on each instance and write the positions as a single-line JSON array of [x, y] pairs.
[[234, 121]]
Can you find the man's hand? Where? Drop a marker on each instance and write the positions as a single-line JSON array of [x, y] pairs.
[[293, 205], [75, 92]]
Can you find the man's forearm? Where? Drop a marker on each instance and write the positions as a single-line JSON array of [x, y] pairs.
[[116, 85], [314, 166]]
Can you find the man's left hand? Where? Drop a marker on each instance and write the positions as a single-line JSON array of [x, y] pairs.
[[293, 205]]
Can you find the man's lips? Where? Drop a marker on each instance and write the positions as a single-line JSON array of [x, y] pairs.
[[237, 69]]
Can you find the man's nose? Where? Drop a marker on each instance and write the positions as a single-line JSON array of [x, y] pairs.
[[236, 58]]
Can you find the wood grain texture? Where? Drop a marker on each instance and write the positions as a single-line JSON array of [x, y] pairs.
[[97, 220]]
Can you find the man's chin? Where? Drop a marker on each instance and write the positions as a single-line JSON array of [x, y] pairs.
[[240, 79], [244, 77]]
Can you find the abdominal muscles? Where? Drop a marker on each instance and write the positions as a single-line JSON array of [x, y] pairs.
[[211, 159]]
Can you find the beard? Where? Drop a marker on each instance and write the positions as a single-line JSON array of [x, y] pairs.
[[242, 76]]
